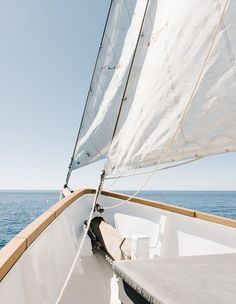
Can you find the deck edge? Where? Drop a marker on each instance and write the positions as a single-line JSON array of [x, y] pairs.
[[13, 250]]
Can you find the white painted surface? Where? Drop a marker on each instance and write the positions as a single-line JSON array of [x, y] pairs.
[[41, 271], [140, 246], [39, 274]]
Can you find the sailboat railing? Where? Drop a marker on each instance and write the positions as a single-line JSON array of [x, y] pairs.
[[10, 253]]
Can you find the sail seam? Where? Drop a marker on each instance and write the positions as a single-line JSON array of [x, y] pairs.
[[227, 41], [197, 82]]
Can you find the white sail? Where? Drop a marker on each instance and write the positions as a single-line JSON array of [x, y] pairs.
[[109, 80], [184, 104]]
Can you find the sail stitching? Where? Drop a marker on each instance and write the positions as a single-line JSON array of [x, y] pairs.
[[197, 82], [227, 41], [128, 12]]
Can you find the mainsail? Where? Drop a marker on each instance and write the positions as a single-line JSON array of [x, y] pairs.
[[108, 82], [177, 100], [184, 103]]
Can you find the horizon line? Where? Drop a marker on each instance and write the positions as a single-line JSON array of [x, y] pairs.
[[147, 190]]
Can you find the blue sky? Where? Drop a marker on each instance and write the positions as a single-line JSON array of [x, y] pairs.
[[47, 52]]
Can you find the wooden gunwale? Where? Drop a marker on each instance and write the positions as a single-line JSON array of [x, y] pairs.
[[10, 253]]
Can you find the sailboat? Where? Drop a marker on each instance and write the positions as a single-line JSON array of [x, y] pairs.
[[162, 94]]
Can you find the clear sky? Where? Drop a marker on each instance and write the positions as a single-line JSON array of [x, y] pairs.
[[47, 53]]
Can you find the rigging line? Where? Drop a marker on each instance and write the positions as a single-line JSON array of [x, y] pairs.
[[152, 172], [83, 239], [114, 182], [87, 98], [127, 81], [130, 71], [128, 78], [95, 204], [134, 194]]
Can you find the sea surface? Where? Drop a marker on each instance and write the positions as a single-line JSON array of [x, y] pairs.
[[19, 208]]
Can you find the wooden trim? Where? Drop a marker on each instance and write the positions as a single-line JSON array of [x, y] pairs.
[[13, 250], [215, 219], [184, 211], [67, 201], [142, 201], [10, 253], [34, 229]]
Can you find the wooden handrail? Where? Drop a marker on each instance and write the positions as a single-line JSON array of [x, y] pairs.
[[10, 253], [175, 209]]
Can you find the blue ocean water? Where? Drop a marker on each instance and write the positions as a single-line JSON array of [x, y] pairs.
[[19, 208]]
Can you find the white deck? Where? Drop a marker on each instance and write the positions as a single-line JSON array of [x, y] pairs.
[[92, 281]]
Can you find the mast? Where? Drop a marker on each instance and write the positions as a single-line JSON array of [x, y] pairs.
[[102, 178], [87, 98], [130, 71]]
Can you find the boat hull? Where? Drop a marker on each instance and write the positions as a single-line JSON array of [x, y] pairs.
[[35, 264]]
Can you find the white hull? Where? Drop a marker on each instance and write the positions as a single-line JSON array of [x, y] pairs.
[[35, 264]]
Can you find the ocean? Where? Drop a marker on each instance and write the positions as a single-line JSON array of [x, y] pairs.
[[19, 208]]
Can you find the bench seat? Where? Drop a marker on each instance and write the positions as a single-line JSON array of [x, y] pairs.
[[209, 279]]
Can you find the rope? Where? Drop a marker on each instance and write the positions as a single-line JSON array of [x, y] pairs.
[[201, 72], [114, 182], [79, 250], [133, 195], [152, 172], [146, 181], [129, 174], [130, 71]]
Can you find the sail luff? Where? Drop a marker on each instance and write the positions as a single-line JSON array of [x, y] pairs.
[[87, 98], [130, 71], [110, 77]]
